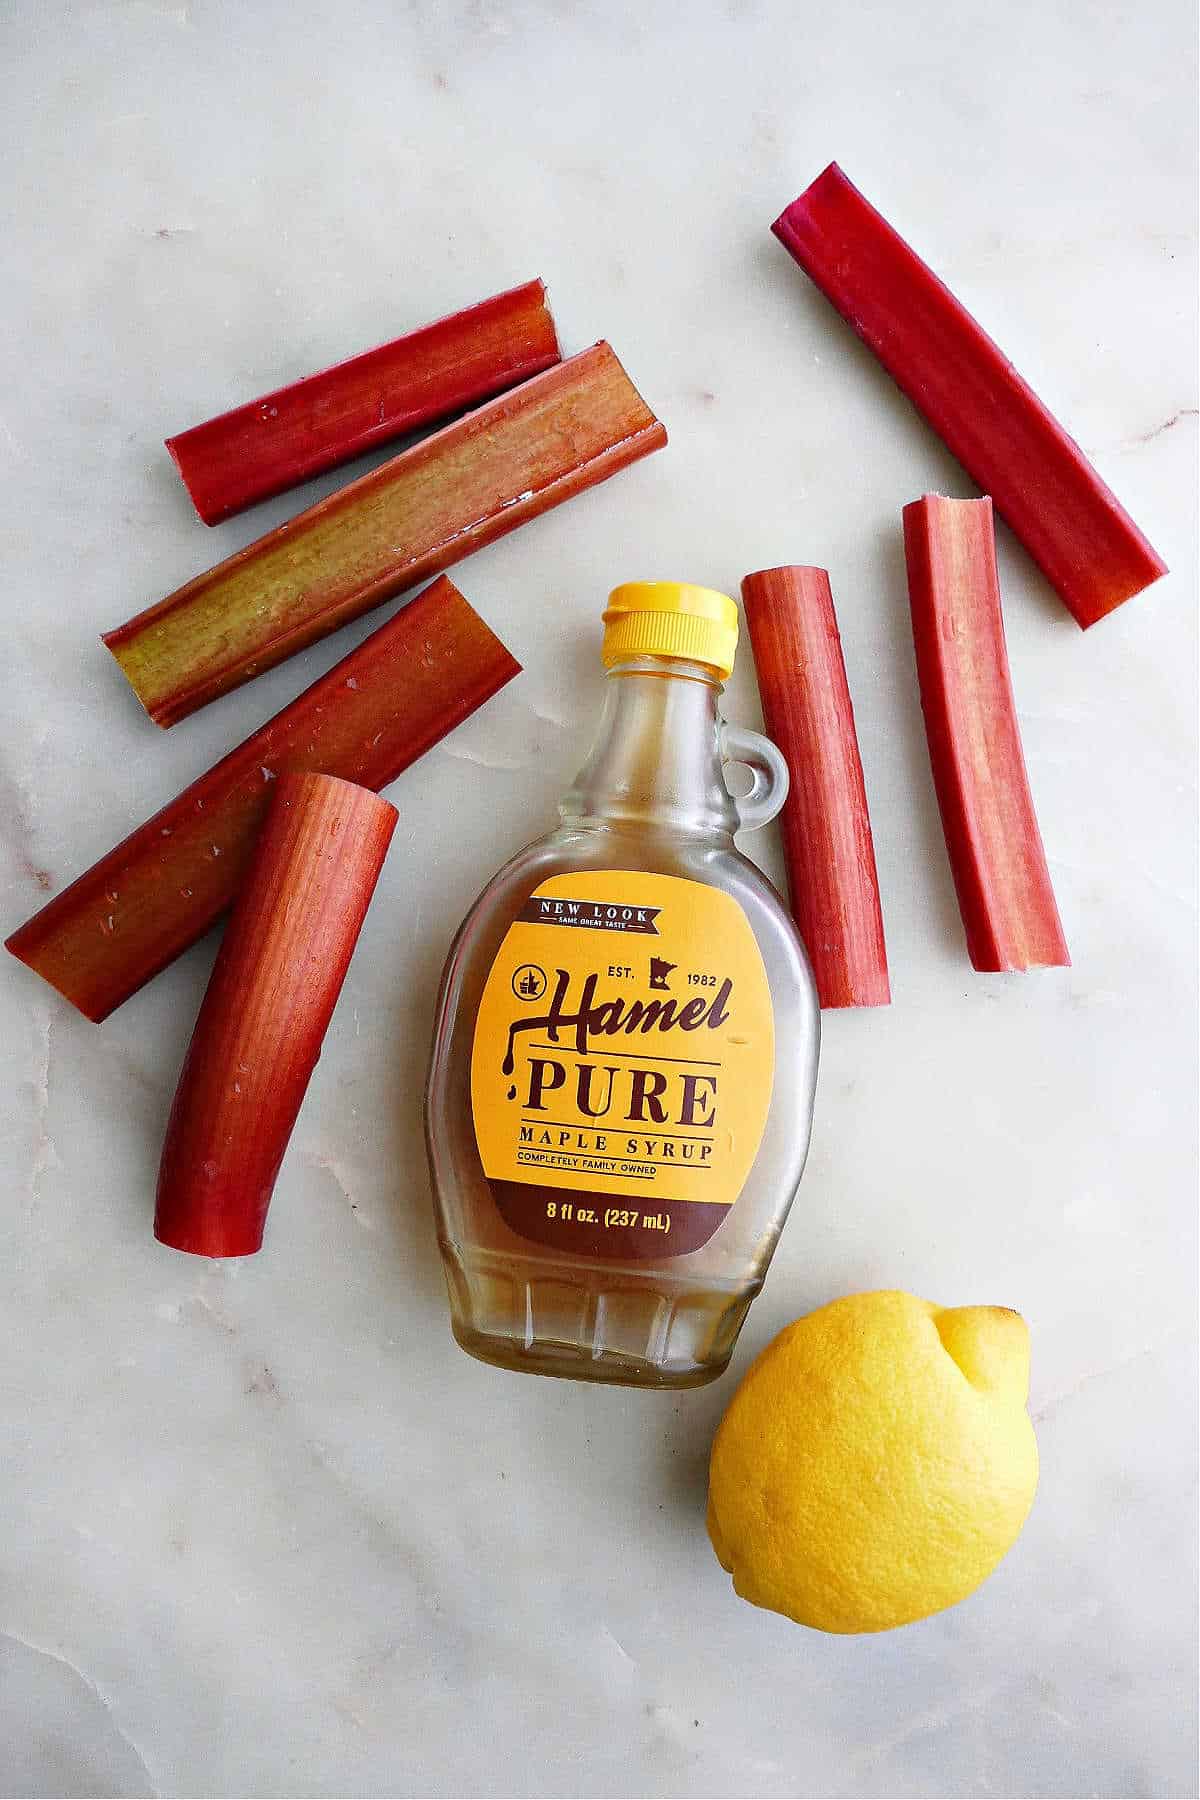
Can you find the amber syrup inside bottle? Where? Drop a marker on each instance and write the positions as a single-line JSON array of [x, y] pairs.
[[620, 1093]]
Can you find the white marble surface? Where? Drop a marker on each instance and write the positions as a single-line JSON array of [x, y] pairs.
[[263, 1529]]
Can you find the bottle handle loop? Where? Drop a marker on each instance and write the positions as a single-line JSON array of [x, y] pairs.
[[766, 764]]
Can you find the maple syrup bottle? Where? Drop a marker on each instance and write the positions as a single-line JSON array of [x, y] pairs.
[[620, 1095]]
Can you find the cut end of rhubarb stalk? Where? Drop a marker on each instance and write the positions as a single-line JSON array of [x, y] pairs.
[[469, 484], [1073, 526], [826, 829], [286, 437], [260, 1028], [375, 712], [992, 837]]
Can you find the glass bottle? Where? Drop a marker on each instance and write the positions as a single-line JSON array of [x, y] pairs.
[[620, 1095]]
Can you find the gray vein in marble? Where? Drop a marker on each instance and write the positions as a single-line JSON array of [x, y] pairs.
[[329, 1165], [1050, 1406], [16, 823], [44, 1154], [261, 1382], [212, 1312], [620, 1649], [936, 1718], [482, 759], [94, 1689], [1145, 437], [548, 718]]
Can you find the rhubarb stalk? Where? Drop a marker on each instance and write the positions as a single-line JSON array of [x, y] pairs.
[[258, 1035], [826, 829], [425, 509], [285, 437], [1075, 529], [995, 848], [374, 713]]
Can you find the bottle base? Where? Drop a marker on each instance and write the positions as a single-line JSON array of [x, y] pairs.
[[591, 1323], [562, 1362]]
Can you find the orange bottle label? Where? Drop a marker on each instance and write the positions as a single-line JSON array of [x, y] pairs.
[[624, 1051]]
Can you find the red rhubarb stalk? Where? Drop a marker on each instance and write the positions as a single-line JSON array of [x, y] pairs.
[[283, 438], [996, 854], [258, 1035], [826, 829], [374, 713], [1084, 541], [425, 509]]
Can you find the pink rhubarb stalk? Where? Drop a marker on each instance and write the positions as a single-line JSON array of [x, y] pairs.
[[427, 508], [1075, 529], [285, 437], [995, 848], [826, 829], [374, 713], [258, 1035]]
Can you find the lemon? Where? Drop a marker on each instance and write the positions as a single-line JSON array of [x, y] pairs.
[[876, 1462]]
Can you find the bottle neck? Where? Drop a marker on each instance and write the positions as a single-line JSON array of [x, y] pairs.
[[657, 757]]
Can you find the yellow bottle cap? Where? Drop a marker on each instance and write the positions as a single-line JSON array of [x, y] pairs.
[[671, 618]]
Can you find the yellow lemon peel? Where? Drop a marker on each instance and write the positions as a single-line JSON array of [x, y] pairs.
[[876, 1462]]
